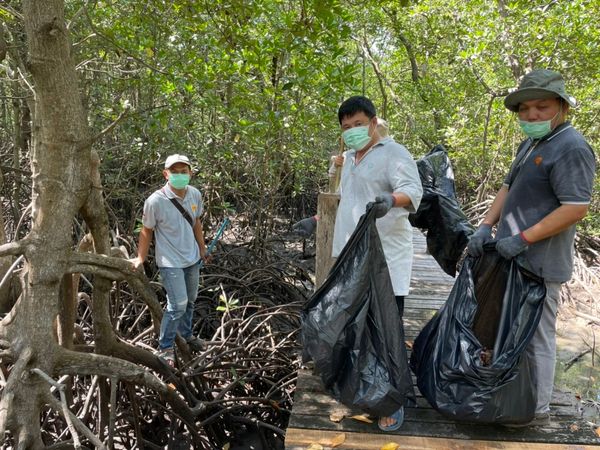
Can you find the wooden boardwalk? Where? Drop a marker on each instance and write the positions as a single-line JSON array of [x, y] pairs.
[[316, 415]]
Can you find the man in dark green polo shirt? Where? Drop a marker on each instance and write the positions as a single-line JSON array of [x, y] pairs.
[[547, 191]]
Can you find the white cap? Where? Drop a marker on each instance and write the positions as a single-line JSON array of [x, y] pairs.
[[174, 159]]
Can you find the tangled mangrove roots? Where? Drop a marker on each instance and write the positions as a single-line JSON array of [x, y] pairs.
[[237, 391]]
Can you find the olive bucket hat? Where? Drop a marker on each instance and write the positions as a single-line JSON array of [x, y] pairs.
[[539, 84]]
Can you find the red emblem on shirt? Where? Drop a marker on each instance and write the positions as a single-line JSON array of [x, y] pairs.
[[537, 160]]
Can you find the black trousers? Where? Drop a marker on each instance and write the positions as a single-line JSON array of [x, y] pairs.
[[400, 303]]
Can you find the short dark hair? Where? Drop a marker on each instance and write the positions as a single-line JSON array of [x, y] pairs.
[[354, 105]]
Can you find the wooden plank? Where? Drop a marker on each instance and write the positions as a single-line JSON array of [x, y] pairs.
[[313, 407], [560, 432], [563, 403], [424, 302], [297, 439], [314, 404], [327, 204]]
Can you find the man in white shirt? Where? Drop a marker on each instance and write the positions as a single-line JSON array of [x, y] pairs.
[[381, 170]]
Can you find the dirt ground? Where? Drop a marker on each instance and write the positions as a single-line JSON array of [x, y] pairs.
[[578, 348]]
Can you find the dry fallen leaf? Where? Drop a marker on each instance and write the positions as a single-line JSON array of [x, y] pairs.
[[338, 440], [597, 431], [336, 416], [574, 427], [390, 446], [408, 344], [362, 418], [314, 447], [226, 446]]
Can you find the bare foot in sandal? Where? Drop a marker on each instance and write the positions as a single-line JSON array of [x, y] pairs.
[[393, 422]]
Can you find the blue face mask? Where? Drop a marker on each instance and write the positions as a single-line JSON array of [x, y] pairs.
[[179, 180], [357, 137]]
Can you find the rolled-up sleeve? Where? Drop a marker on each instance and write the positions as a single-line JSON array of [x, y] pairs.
[[572, 177], [404, 177]]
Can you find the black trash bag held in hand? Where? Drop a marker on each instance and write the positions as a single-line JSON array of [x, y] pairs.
[[446, 355], [448, 229], [352, 330]]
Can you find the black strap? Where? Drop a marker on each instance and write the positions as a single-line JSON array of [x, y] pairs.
[[183, 212]]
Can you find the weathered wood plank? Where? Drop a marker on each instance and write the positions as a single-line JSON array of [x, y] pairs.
[[326, 210], [297, 439], [558, 432], [564, 403]]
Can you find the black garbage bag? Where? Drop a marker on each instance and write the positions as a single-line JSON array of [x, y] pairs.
[[352, 330], [446, 357], [448, 229]]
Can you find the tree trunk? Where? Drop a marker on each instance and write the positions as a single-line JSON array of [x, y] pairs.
[[61, 183], [37, 333]]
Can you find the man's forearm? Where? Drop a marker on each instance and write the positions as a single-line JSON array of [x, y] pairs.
[[144, 243], [199, 235], [401, 200], [558, 220]]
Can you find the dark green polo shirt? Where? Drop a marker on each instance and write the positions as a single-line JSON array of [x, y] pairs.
[[556, 170]]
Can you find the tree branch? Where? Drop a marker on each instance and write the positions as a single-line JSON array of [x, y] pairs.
[[7, 9], [73, 363], [124, 50], [9, 388], [109, 128], [68, 415], [117, 269], [79, 12], [366, 48], [513, 60], [13, 248]]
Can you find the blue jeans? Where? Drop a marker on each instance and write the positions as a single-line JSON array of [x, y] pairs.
[[182, 289]]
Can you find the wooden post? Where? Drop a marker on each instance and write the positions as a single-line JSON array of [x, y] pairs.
[[334, 180], [327, 204]]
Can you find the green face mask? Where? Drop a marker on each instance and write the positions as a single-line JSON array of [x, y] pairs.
[[536, 130], [179, 180], [357, 137]]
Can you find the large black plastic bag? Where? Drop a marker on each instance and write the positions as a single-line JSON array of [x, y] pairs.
[[446, 354], [352, 330], [448, 229]]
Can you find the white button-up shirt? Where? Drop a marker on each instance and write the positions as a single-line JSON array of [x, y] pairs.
[[386, 167]]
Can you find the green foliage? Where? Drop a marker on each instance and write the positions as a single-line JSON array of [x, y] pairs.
[[227, 304], [247, 89], [250, 89]]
